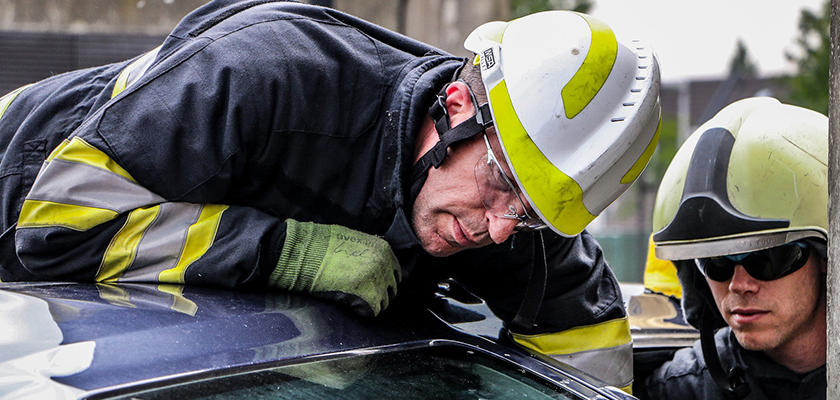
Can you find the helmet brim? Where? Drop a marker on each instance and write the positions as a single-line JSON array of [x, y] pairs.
[[735, 244]]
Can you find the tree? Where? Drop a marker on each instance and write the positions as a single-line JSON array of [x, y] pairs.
[[809, 87], [742, 65], [519, 8]]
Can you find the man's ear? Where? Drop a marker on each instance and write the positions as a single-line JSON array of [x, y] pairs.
[[458, 103]]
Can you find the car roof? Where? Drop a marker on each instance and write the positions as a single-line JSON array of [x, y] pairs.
[[115, 337]]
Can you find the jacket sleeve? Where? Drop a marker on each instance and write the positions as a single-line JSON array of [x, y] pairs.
[[145, 189], [581, 320], [189, 173], [87, 219]]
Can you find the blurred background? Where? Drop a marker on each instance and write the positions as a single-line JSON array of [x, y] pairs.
[[711, 53]]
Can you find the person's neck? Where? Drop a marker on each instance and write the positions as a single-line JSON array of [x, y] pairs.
[[806, 352]]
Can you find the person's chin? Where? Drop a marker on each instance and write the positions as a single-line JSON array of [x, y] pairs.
[[436, 245], [754, 340], [440, 248]]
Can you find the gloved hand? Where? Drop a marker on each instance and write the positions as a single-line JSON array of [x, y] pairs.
[[338, 263]]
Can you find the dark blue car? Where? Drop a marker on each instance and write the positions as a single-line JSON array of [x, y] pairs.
[[99, 341]]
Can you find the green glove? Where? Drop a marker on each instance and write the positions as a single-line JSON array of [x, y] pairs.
[[337, 263]]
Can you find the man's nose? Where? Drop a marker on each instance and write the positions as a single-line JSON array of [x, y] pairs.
[[742, 281], [499, 228]]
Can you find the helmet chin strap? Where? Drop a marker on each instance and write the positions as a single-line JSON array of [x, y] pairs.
[[448, 136], [732, 383]]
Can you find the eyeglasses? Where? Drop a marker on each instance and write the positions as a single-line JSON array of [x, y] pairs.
[[499, 195], [765, 265]]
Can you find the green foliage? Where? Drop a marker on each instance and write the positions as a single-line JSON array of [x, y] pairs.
[[809, 87], [520, 8], [665, 151]]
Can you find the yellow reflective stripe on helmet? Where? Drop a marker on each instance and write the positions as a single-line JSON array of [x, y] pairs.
[[200, 237], [590, 337], [555, 195], [77, 150], [642, 162], [590, 77], [7, 99], [37, 213], [121, 251]]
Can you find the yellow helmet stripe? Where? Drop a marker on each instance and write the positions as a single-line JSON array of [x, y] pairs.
[[555, 195], [596, 67], [640, 164]]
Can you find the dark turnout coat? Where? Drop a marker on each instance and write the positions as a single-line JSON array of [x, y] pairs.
[[686, 376], [182, 166]]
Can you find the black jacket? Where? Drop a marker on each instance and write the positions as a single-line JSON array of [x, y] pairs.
[[686, 377], [251, 113]]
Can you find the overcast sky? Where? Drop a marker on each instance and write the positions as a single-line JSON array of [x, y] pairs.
[[697, 39]]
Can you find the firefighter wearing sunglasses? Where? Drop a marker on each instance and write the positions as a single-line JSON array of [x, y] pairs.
[[742, 213]]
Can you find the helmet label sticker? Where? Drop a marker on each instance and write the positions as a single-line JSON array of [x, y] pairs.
[[489, 59]]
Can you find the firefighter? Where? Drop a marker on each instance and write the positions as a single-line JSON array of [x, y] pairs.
[[284, 145], [743, 212]]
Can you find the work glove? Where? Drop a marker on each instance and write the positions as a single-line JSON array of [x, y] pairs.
[[339, 264]]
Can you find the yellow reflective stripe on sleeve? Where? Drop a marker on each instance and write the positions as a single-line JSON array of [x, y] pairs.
[[123, 247], [125, 78], [200, 237], [627, 389], [120, 85], [82, 152], [596, 67], [591, 337], [556, 196], [641, 163], [36, 213], [7, 99], [64, 143]]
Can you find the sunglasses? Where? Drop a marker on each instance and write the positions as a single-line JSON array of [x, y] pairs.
[[765, 265]]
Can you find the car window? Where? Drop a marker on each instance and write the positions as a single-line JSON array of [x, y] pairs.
[[446, 372]]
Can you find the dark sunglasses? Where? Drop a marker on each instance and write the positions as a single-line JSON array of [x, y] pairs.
[[765, 265]]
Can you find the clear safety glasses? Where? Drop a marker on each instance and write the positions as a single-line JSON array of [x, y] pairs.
[[499, 195], [765, 265]]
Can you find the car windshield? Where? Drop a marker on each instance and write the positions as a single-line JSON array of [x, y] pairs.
[[447, 372]]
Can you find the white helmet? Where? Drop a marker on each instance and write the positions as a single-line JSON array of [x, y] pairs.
[[577, 111]]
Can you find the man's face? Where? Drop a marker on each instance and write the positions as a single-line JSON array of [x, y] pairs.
[[449, 215], [773, 316]]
